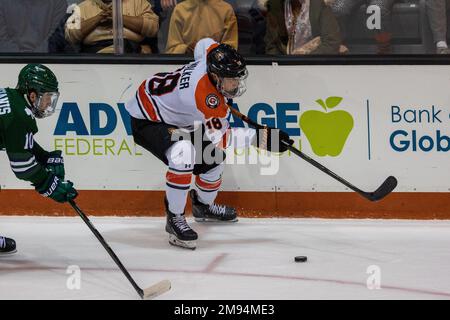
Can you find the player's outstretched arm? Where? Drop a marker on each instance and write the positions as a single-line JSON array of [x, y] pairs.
[[27, 166], [263, 137]]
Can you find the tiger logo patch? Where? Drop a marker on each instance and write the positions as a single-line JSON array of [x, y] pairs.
[[212, 101]]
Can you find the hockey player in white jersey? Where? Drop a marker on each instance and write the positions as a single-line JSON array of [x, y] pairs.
[[183, 103]]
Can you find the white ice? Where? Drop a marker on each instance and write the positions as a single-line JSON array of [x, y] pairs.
[[251, 259]]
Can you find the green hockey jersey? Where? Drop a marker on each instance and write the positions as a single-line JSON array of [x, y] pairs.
[[17, 130]]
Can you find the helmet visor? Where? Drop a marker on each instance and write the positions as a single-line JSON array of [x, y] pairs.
[[46, 104], [234, 87]]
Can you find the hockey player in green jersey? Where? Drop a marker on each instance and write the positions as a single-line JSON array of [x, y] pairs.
[[35, 96]]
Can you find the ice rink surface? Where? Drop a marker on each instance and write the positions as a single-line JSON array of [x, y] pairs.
[[251, 259]]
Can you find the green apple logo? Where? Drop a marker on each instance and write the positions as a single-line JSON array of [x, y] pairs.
[[327, 131]]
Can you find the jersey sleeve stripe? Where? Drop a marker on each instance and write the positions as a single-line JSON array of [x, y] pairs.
[[157, 108], [24, 169], [155, 104], [22, 163], [145, 102], [141, 107], [34, 174]]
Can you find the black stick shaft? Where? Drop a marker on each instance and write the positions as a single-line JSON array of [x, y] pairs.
[[107, 247], [302, 155], [326, 170]]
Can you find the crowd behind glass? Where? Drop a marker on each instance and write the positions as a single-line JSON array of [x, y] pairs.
[[254, 27]]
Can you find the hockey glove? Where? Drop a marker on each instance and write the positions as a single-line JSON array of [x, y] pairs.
[[57, 189], [55, 164], [273, 140]]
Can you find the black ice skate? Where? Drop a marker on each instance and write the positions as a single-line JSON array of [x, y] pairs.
[[180, 234], [7, 246], [213, 212]]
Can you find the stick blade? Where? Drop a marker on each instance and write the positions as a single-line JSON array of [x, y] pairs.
[[157, 289], [387, 187]]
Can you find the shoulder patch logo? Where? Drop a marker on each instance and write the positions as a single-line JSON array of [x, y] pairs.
[[212, 101]]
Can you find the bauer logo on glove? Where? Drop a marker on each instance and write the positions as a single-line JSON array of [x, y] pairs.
[[55, 164]]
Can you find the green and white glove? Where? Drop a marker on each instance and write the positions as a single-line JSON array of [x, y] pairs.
[[55, 188]]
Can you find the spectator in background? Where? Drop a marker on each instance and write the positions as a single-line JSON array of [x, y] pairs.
[[57, 42], [258, 12], [168, 4], [25, 25], [193, 20], [163, 9], [91, 26], [343, 9], [437, 14], [301, 27]]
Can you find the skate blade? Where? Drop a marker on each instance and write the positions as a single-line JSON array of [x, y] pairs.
[[215, 220], [4, 254], [173, 240]]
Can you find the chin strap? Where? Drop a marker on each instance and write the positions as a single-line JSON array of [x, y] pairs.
[[27, 99]]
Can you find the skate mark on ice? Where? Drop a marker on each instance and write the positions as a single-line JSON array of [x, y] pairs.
[[213, 264]]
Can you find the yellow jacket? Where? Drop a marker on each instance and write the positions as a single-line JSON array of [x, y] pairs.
[[193, 20], [90, 8]]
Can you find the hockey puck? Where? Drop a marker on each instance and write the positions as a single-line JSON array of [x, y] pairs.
[[301, 258]]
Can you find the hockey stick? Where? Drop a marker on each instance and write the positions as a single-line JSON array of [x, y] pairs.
[[148, 293], [383, 190]]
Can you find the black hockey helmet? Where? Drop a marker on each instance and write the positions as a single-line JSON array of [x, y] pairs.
[[226, 63]]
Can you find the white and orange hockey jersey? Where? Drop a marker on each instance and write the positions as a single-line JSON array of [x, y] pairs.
[[186, 98]]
